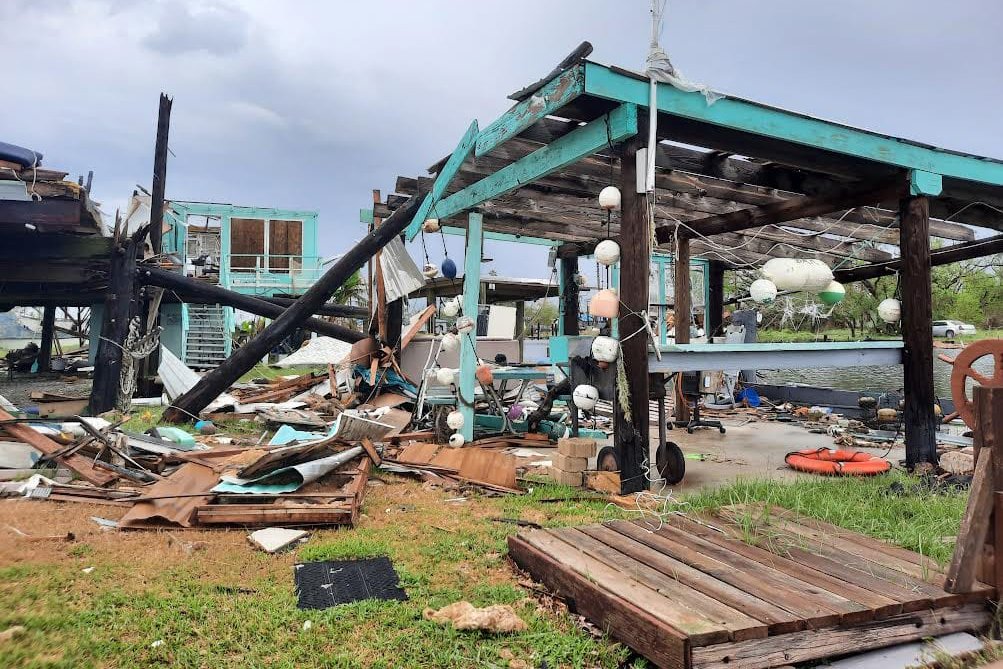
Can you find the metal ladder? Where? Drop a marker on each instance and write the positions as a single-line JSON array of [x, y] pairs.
[[205, 340]]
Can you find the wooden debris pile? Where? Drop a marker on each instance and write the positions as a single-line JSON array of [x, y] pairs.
[[43, 198]]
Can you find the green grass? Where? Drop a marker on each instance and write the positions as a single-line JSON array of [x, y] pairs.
[[230, 606], [893, 508], [843, 334], [261, 371]]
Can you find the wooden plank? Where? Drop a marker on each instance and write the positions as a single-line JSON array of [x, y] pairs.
[[698, 629], [613, 127], [861, 539], [800, 550], [962, 574], [558, 92], [78, 463], [777, 619], [739, 625], [624, 619], [810, 645], [429, 204], [817, 607], [837, 581]]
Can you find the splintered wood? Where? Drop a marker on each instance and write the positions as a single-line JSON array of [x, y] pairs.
[[749, 588], [488, 468]]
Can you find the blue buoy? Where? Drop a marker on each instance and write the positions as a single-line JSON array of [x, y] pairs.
[[448, 268]]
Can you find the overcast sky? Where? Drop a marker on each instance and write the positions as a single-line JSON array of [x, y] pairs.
[[303, 104]]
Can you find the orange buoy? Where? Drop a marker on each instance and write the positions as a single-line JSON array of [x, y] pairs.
[[828, 462]]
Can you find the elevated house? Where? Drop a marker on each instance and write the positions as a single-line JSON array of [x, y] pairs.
[[256, 251]]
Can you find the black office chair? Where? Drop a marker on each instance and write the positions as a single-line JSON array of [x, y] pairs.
[[691, 395]]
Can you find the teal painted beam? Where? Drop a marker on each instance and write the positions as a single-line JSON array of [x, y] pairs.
[[471, 297], [561, 90], [504, 237], [745, 116], [586, 140], [429, 208], [925, 183]]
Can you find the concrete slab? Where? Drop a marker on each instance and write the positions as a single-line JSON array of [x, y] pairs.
[[751, 450], [274, 539]]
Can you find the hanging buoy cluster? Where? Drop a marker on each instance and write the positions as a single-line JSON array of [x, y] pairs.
[[794, 274]]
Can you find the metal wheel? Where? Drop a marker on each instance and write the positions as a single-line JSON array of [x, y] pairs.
[[606, 460], [963, 370], [670, 462]]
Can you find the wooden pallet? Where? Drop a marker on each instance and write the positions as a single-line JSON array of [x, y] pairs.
[[692, 593]]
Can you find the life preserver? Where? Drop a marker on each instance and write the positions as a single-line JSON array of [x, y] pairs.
[[828, 462]]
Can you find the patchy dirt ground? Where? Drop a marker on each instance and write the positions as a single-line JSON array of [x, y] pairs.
[[18, 391]]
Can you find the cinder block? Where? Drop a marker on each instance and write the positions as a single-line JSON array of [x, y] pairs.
[[577, 447], [566, 478], [569, 463]]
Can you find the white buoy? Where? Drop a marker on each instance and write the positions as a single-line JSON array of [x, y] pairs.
[[609, 198], [464, 324], [450, 342], [607, 252], [605, 349], [890, 310], [797, 274], [430, 225], [456, 440], [585, 397], [763, 291], [430, 271], [450, 308], [445, 375], [454, 420]]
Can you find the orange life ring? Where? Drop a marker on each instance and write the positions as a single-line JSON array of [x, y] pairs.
[[828, 462]]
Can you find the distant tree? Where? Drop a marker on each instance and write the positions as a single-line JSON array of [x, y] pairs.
[[542, 313], [351, 292]]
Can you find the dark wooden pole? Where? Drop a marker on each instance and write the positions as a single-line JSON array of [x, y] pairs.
[[630, 437], [569, 298], [160, 174], [682, 308], [120, 306], [206, 293], [45, 350], [329, 309], [395, 321], [714, 317], [248, 355], [917, 317], [945, 256]]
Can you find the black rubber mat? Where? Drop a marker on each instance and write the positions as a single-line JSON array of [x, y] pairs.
[[321, 585]]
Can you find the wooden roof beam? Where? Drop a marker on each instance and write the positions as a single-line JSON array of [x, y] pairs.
[[787, 210], [954, 253]]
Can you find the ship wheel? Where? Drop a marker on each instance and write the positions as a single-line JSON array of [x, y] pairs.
[[963, 370]]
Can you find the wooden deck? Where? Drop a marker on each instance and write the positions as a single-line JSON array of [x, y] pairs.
[[746, 589]]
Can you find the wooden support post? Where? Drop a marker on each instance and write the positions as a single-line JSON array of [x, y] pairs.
[[630, 437], [45, 350], [981, 533], [160, 174], [248, 355], [205, 293], [520, 325], [682, 308], [917, 316], [569, 296], [395, 321], [715, 301], [120, 306], [468, 342]]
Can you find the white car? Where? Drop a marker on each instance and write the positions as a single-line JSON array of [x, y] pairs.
[[951, 329]]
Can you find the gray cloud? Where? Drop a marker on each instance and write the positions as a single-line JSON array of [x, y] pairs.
[[314, 108], [183, 27]]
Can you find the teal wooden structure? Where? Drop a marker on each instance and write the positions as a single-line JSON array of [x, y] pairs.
[[741, 170], [251, 250]]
